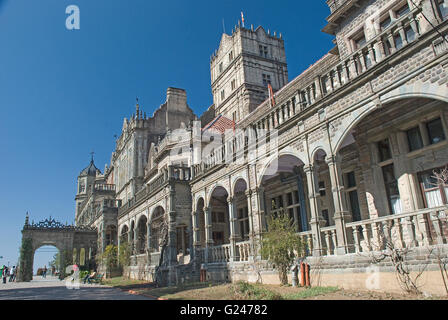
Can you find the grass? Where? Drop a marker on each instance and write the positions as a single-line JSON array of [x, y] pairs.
[[310, 292], [122, 282]]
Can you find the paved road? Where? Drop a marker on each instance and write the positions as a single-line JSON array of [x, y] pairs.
[[54, 289]]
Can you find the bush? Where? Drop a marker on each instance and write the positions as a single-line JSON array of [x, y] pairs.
[[247, 291], [280, 244]]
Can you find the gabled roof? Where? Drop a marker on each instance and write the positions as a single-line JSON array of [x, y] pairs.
[[220, 124]]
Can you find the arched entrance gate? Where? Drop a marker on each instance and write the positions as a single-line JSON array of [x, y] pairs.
[[69, 240]]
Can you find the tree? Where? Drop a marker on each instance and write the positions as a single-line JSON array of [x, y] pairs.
[[124, 254], [109, 258], [281, 244]]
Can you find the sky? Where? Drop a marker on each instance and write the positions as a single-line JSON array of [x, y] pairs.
[[64, 93]]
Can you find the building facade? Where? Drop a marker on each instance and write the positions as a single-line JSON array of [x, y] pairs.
[[349, 149]]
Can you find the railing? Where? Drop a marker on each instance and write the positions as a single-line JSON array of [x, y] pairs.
[[104, 187], [219, 253], [154, 258], [306, 239], [244, 250], [440, 45], [329, 241], [416, 229]]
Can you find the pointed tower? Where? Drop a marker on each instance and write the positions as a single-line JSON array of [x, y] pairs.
[[241, 69], [86, 180]]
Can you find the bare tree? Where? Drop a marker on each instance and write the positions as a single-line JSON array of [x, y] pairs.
[[397, 255]]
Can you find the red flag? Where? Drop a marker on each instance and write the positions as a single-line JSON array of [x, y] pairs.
[[271, 95], [242, 18]]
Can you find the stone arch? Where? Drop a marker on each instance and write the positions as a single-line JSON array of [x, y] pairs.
[[416, 90], [219, 214], [284, 152], [156, 221], [50, 232], [239, 179], [142, 233], [285, 190], [212, 190], [154, 208]]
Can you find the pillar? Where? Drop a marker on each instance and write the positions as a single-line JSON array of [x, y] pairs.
[[208, 232], [341, 214], [233, 236], [314, 208], [172, 243]]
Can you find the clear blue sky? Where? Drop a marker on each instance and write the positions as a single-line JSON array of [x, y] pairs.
[[65, 93]]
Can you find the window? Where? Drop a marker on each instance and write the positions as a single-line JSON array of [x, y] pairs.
[[402, 11], [386, 23], [263, 51], [398, 42], [220, 67], [218, 238], [414, 139], [266, 79], [223, 96], [384, 150], [435, 131], [387, 46], [360, 42], [434, 194], [443, 8], [243, 220], [233, 84], [391, 184], [231, 56], [351, 180], [354, 205], [368, 59], [326, 217], [234, 116], [410, 34], [322, 191]]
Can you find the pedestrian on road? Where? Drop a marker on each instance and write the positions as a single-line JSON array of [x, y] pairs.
[[12, 276], [44, 273], [4, 272]]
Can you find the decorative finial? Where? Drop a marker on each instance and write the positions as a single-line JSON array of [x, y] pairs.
[[92, 153], [27, 219]]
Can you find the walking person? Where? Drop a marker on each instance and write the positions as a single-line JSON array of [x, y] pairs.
[[12, 276], [44, 273], [4, 272]]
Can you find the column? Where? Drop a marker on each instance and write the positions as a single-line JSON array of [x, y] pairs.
[[148, 238], [208, 232], [172, 243], [402, 34], [103, 238], [341, 214], [134, 242], [317, 87], [234, 256], [78, 256], [314, 208], [250, 212]]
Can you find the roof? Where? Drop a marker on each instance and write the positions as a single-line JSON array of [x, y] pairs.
[[220, 124], [91, 170]]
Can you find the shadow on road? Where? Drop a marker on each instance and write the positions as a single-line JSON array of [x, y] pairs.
[[62, 293]]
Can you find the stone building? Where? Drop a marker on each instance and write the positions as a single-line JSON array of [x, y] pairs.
[[348, 148]]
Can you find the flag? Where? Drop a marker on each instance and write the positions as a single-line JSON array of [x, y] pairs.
[[242, 18], [271, 95]]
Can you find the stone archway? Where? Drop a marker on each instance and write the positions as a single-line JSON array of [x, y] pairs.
[[65, 238]]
